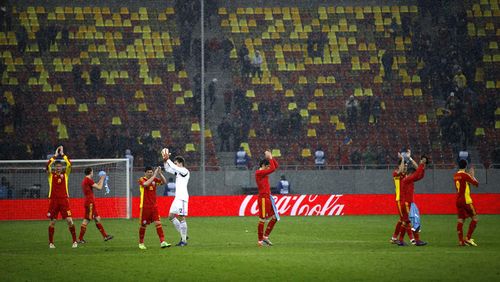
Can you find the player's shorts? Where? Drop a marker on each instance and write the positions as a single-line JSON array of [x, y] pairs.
[[57, 206], [179, 207], [149, 215], [404, 210], [265, 207], [90, 212], [465, 210]]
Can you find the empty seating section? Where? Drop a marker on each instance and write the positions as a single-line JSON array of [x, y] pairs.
[[138, 88], [318, 85], [483, 24]]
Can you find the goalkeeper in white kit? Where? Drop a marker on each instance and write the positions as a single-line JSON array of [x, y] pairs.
[[179, 208]]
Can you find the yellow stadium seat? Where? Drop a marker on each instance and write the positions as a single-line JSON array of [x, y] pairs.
[[311, 132], [179, 101], [497, 124], [314, 119], [63, 132], [142, 107], [101, 100], [289, 93], [304, 113], [407, 92], [60, 101], [318, 92], [188, 94], [479, 132], [116, 121], [83, 108], [176, 87], [312, 106], [156, 134], [52, 108], [276, 152], [422, 118], [340, 126], [195, 127], [250, 93], [306, 153], [189, 148], [56, 121]]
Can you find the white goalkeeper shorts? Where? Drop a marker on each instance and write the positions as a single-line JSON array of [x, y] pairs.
[[179, 207]]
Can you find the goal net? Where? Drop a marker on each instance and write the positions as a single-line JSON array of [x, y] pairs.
[[24, 188]]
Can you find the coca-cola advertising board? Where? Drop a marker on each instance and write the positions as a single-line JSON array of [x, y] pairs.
[[241, 205]]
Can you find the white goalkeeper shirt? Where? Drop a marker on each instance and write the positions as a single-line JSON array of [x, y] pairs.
[[181, 180]]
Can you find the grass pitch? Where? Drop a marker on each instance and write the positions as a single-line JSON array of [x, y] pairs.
[[350, 248]]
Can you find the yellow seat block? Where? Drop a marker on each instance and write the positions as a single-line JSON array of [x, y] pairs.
[[306, 153], [116, 121], [311, 132]]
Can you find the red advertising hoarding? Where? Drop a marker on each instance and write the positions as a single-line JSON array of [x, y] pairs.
[[287, 205]]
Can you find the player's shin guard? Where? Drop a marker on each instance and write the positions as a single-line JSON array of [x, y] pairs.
[[460, 232], [184, 229], [416, 234], [270, 227], [177, 224], [142, 231], [409, 231], [101, 229], [472, 227], [51, 234], [260, 230], [72, 230], [397, 230], [83, 229], [159, 230], [402, 232]]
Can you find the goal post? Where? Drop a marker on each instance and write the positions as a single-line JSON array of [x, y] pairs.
[[24, 188]]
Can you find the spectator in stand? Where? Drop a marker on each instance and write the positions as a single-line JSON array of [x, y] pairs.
[[284, 186], [52, 34], [242, 52], [42, 40], [394, 28], [228, 99], [405, 24], [95, 78], [387, 61], [365, 109], [319, 158], [224, 130], [256, 64], [22, 39], [241, 159], [77, 77], [369, 158], [356, 157], [376, 110], [227, 47], [65, 36], [211, 92], [5, 16], [296, 122], [351, 107], [246, 67], [169, 188]]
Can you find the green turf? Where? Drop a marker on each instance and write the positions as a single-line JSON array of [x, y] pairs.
[[350, 248]]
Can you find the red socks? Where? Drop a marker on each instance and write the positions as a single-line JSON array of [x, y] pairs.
[[270, 227], [159, 230], [142, 231], [51, 234], [472, 226], [409, 231], [416, 234], [83, 229], [73, 232], [460, 232], [405, 228], [396, 231], [101, 229], [261, 230], [402, 232]]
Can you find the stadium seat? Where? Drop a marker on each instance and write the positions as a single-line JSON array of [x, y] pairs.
[[306, 153], [116, 121], [155, 134], [189, 148]]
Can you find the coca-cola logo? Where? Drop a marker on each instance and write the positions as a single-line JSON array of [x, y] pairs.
[[297, 205]]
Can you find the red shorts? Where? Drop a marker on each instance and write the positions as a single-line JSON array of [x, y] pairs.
[[465, 210], [57, 206], [90, 211], [149, 215], [404, 210], [265, 207]]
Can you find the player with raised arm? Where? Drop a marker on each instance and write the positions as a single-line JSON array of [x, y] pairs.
[[90, 209], [179, 208], [58, 194], [148, 206], [266, 207], [397, 174], [465, 208], [414, 173]]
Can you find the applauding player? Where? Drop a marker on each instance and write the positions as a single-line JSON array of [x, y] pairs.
[[58, 195], [465, 208], [179, 208], [266, 209], [90, 209], [149, 209], [397, 174]]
